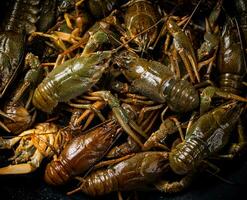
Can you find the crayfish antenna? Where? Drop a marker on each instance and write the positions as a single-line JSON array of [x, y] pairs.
[[221, 178], [195, 9], [74, 191]]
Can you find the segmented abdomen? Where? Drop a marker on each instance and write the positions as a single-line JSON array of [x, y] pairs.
[[100, 183], [44, 97], [187, 155], [57, 172], [181, 96], [231, 83]]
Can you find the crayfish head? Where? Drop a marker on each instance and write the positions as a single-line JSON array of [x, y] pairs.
[[124, 58]]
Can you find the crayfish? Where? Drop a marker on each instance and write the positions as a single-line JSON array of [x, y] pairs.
[[123, 95]]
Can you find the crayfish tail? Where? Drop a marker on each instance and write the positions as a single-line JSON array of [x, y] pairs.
[[56, 174]]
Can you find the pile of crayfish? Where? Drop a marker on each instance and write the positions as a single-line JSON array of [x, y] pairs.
[[122, 95]]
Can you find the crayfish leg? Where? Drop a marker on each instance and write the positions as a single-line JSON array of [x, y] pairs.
[[108, 163], [147, 109], [89, 113], [189, 63], [17, 169], [209, 92], [121, 116], [227, 95], [168, 127]]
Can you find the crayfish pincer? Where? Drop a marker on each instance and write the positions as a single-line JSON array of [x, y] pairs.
[[157, 82]]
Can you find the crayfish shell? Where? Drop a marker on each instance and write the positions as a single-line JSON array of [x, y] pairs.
[[81, 153], [56, 173], [181, 95]]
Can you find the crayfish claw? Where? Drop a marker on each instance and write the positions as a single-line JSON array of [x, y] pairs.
[[120, 115], [175, 186]]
